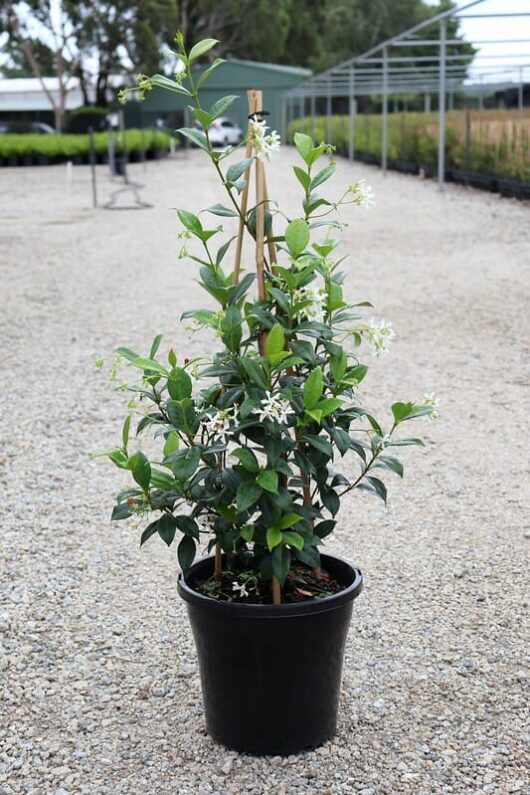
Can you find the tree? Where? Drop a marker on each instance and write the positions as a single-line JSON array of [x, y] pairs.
[[40, 30]]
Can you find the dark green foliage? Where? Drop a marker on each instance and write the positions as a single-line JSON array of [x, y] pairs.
[[251, 436]]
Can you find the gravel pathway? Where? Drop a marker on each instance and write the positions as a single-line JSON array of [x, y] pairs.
[[99, 692]]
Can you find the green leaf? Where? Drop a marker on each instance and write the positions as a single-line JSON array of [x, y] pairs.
[[274, 537], [379, 487], [304, 145], [253, 371], [148, 365], [289, 520], [313, 388], [149, 531], [188, 526], [303, 177], [391, 463], [268, 480], [195, 136], [171, 444], [117, 457], [201, 48], [190, 221], [246, 458], [161, 81], [219, 107], [275, 342], [183, 463], [238, 169], [220, 209], [401, 411], [207, 72], [247, 533], [186, 552], [406, 443], [155, 346], [293, 539], [314, 414], [320, 444], [329, 405], [125, 430], [297, 236], [141, 470], [121, 511], [201, 115], [231, 330], [166, 528], [248, 493], [323, 529], [323, 175], [179, 384]]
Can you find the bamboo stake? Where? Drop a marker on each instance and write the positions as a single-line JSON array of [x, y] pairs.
[[252, 108]]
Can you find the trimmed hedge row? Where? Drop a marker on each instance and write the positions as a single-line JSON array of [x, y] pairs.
[[499, 143], [28, 149]]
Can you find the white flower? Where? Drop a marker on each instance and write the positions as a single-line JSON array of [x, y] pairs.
[[264, 143], [380, 335], [274, 408], [432, 402], [363, 195], [315, 310], [240, 589], [219, 424]]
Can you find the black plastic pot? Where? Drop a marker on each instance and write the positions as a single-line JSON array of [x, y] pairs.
[[271, 674]]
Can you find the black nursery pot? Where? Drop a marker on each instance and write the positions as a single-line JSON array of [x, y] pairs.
[[271, 674]]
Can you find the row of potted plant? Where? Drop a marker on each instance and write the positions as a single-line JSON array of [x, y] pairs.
[[412, 140], [255, 446], [33, 149]]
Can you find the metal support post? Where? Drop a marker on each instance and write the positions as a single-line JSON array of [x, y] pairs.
[[384, 132], [92, 153], [329, 119], [441, 106], [520, 92], [312, 105], [351, 139]]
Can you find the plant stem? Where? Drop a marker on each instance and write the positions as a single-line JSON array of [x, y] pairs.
[[218, 560], [276, 591]]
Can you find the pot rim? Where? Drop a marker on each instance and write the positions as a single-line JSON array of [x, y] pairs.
[[238, 609]]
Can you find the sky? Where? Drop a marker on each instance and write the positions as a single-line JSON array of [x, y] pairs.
[[506, 29]]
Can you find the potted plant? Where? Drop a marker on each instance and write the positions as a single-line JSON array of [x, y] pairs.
[[249, 439]]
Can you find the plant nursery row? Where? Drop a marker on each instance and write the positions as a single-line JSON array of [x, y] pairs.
[[489, 150], [27, 150]]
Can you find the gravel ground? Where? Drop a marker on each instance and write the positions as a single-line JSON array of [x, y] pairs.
[[99, 688]]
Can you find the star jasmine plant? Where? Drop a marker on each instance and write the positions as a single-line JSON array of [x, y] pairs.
[[258, 444]]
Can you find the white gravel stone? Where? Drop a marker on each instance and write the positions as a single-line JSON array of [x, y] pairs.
[[99, 689]]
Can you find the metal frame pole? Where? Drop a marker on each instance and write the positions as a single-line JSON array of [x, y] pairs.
[[351, 140], [312, 107], [329, 120], [93, 166], [520, 91], [384, 144], [441, 106]]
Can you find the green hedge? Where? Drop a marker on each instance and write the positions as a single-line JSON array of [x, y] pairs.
[[500, 142], [66, 147]]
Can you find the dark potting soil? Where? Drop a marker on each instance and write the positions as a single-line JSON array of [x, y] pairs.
[[245, 587]]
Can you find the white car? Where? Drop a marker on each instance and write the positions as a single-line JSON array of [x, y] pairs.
[[223, 132]]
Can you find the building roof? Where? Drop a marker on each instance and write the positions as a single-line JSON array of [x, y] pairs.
[[26, 93], [276, 67]]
